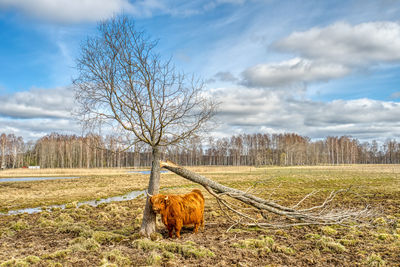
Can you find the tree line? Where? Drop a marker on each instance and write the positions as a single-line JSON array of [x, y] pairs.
[[94, 151]]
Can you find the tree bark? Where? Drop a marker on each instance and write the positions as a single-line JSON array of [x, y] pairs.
[[149, 217]]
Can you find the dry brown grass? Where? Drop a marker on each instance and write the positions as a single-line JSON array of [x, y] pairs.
[[286, 183], [63, 172], [108, 234], [93, 184], [380, 168], [42, 193]]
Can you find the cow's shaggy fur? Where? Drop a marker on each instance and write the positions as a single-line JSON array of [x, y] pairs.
[[179, 210]]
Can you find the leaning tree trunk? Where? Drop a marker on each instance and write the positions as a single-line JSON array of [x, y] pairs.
[[313, 215], [149, 217]]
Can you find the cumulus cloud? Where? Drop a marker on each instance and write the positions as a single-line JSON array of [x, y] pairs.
[[225, 76], [342, 43], [32, 129], [38, 103], [37, 112], [292, 71], [328, 53], [245, 110]]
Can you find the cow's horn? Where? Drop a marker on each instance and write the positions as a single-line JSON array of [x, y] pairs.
[[147, 193], [166, 198]]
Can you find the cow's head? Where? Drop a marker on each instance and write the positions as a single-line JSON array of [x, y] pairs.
[[159, 202]]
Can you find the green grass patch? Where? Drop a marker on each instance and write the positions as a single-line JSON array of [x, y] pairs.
[[19, 225], [115, 257], [59, 254], [76, 229], [104, 238], [261, 242], [27, 261], [188, 249], [84, 244], [328, 230], [329, 244], [154, 259], [375, 260]]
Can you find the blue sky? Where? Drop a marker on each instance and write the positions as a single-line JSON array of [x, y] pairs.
[[317, 68]]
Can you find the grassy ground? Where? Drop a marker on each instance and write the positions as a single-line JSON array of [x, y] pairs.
[[108, 234]]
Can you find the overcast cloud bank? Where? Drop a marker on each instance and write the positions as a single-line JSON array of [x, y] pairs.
[[38, 103], [245, 110], [38, 112]]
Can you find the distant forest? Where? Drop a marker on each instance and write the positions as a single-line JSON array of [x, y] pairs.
[[93, 151]]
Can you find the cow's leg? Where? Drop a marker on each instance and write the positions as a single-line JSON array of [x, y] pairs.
[[202, 222], [196, 228], [178, 227], [170, 230]]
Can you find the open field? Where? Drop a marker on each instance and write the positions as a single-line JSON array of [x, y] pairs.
[[108, 234], [93, 184]]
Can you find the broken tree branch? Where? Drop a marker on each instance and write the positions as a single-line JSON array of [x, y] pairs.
[[224, 202], [318, 214]]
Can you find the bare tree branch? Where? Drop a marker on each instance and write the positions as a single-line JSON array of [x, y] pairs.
[[318, 214], [305, 197]]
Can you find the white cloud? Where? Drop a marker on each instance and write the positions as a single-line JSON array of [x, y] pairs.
[[76, 11], [68, 11], [32, 129], [342, 43], [225, 76], [38, 103], [256, 110], [323, 54], [37, 112], [292, 71]]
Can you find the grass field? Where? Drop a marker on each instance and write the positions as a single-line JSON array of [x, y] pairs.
[[108, 234]]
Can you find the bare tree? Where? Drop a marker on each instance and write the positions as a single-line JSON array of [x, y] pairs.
[[3, 142], [123, 81]]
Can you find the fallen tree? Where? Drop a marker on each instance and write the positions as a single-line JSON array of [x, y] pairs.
[[294, 215]]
